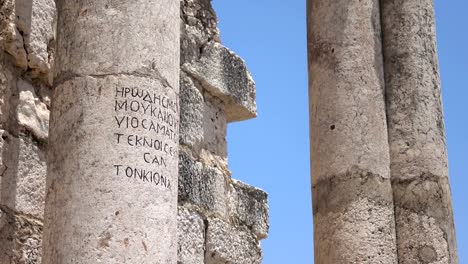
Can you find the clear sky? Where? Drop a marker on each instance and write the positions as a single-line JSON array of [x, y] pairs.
[[272, 151]]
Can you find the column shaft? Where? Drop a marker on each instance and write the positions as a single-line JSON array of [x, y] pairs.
[[423, 206], [113, 156], [352, 197]]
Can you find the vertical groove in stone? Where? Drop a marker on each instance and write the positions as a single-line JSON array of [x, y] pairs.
[[352, 196], [419, 171], [113, 156]]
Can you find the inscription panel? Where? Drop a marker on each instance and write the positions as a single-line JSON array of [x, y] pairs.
[[147, 122]]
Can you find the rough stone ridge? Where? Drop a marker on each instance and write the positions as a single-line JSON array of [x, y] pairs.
[[33, 114], [27, 34], [26, 60], [227, 244], [216, 88], [202, 186], [192, 106], [191, 236], [21, 238], [23, 165], [224, 74], [249, 207]]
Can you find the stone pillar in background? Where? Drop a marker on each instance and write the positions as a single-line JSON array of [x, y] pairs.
[[352, 196], [423, 206], [113, 156]]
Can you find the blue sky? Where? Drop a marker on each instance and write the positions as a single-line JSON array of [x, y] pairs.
[[272, 151]]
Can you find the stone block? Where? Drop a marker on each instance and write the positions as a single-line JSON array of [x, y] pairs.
[[191, 113], [226, 244], [28, 34], [7, 87], [249, 207], [35, 20], [191, 237], [23, 174], [20, 238], [202, 186], [11, 39], [225, 75], [199, 26], [215, 127], [33, 114]]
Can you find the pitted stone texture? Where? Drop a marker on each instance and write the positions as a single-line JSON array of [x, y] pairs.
[[192, 108], [33, 114], [347, 104], [414, 106], [7, 88], [11, 39], [35, 19], [423, 239], [225, 75], [352, 196], [202, 186], [354, 219], [199, 26], [203, 119], [94, 212], [249, 207], [23, 174], [416, 134], [27, 33], [191, 237], [215, 126], [20, 238], [131, 47], [226, 244], [424, 227]]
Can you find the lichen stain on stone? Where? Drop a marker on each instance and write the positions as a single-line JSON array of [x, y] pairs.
[[427, 254], [104, 239]]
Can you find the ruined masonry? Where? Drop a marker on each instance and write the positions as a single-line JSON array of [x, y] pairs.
[[219, 219]]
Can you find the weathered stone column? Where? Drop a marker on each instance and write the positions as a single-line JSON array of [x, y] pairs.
[[352, 197], [113, 157], [423, 206]]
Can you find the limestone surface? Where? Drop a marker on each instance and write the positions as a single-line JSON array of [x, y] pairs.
[[33, 114], [227, 244], [417, 134], [202, 186], [225, 75], [352, 197], [21, 238], [112, 172], [191, 237], [23, 174], [114, 134], [249, 207], [27, 34], [192, 107]]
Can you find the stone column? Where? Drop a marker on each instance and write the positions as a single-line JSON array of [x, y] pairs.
[[423, 206], [352, 196], [113, 157]]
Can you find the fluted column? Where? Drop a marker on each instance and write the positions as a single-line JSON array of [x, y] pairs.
[[113, 157], [423, 205], [352, 196]]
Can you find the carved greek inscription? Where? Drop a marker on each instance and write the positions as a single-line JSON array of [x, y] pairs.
[[148, 122]]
